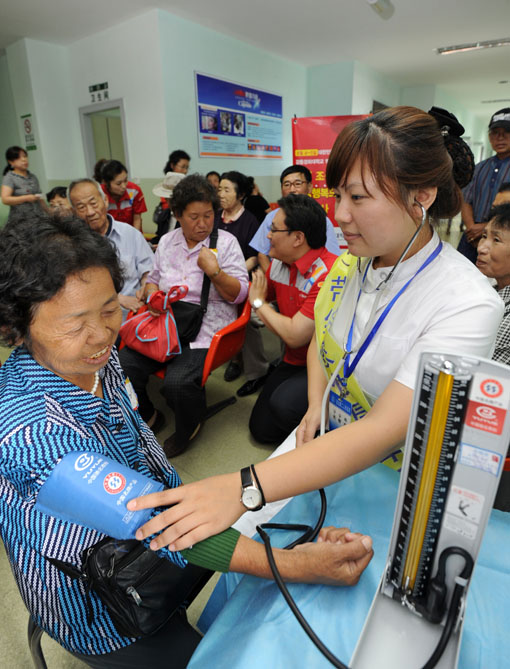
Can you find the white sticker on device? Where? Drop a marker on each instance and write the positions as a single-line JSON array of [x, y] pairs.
[[463, 511], [480, 458]]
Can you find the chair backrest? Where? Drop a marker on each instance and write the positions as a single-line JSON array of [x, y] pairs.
[[224, 345], [227, 342]]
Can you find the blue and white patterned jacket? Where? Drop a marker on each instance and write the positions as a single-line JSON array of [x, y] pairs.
[[43, 417]]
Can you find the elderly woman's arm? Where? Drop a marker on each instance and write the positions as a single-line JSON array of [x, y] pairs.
[[227, 286]]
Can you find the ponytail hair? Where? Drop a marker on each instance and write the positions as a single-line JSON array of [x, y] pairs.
[[12, 153]]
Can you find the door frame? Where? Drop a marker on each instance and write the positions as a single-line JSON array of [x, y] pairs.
[[86, 130]]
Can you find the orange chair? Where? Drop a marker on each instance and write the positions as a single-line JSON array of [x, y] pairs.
[[225, 344]]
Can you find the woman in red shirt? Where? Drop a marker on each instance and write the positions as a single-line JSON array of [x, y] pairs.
[[125, 199]]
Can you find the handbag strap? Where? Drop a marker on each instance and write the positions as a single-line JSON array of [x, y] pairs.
[[206, 283]]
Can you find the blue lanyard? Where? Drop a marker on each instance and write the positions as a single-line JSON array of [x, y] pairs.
[[349, 368]]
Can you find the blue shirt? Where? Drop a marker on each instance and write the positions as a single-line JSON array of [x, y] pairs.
[[43, 417], [135, 255], [261, 243], [481, 191]]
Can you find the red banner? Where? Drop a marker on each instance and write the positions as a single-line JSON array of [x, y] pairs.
[[312, 140]]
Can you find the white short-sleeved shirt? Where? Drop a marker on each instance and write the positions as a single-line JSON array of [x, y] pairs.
[[450, 307]]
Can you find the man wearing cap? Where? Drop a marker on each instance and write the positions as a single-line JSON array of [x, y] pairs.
[[489, 175]]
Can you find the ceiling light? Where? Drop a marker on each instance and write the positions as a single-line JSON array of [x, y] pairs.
[[474, 46], [383, 8]]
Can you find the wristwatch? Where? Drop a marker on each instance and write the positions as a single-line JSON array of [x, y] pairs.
[[251, 497], [257, 303]]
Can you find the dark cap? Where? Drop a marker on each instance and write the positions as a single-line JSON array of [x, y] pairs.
[[501, 119]]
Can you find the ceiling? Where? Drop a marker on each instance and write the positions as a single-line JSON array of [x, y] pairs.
[[314, 33]]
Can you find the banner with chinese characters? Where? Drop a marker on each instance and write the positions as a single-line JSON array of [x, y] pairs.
[[237, 121], [312, 140]]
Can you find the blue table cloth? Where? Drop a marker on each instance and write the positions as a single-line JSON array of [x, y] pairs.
[[250, 624]]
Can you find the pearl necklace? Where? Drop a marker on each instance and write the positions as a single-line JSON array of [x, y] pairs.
[[96, 383]]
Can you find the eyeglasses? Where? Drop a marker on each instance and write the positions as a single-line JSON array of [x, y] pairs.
[[289, 184], [273, 230]]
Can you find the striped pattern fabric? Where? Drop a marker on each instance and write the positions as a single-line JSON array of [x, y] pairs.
[[481, 191], [43, 417], [502, 346]]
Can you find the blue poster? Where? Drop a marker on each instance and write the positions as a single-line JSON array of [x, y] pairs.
[[237, 121]]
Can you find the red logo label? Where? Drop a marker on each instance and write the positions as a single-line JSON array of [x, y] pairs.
[[491, 388], [114, 483], [486, 418]]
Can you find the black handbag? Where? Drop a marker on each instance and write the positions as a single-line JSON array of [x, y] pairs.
[[188, 316], [140, 590]]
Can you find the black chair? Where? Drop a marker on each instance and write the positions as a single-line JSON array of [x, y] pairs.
[[198, 579], [34, 643]]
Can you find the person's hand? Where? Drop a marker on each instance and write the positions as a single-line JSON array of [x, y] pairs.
[[34, 198], [258, 288], [339, 557], [207, 261], [130, 302], [308, 426], [474, 234], [202, 508]]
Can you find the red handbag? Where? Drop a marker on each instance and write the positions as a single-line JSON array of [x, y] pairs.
[[155, 336]]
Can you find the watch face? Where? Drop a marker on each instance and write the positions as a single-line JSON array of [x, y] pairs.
[[251, 497], [258, 303]]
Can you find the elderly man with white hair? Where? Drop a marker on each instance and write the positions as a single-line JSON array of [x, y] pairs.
[[135, 254]]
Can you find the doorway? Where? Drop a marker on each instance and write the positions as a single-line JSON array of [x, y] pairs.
[[104, 133]]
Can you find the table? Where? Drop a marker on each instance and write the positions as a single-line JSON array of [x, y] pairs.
[[250, 625]]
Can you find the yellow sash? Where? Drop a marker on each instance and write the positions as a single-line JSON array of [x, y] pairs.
[[330, 352]]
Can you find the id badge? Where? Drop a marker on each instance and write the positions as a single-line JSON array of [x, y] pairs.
[[133, 398], [340, 410]]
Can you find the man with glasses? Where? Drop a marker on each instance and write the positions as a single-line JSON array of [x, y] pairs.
[[294, 180], [488, 176], [300, 263]]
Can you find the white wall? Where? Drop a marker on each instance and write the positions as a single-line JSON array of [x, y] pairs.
[[418, 96], [187, 47], [9, 131], [369, 85], [24, 103], [128, 58], [329, 89], [59, 130]]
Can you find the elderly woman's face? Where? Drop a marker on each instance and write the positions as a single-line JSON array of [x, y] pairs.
[[72, 334], [227, 194], [197, 222], [494, 254]]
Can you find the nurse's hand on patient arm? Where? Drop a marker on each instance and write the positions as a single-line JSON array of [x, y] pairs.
[[339, 557], [309, 425], [202, 508]]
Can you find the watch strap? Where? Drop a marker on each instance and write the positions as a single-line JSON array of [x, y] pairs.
[[252, 467], [246, 477]]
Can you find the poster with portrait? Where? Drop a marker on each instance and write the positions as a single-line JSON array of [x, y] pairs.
[[238, 121]]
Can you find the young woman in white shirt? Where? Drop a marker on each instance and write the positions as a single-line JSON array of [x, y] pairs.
[[401, 292]]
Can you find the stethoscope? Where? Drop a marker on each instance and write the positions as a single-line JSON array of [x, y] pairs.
[[381, 288]]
